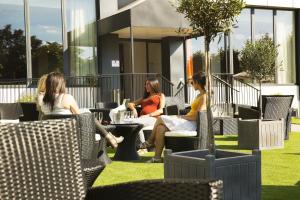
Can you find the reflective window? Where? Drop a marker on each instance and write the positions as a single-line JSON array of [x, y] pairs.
[[240, 34], [46, 36], [196, 56], [81, 33], [263, 23], [285, 38], [12, 39]]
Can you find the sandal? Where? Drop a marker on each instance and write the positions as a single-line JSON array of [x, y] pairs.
[[146, 145], [113, 140], [155, 160]]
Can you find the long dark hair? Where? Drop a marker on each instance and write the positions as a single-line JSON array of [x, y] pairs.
[[155, 86], [55, 84]]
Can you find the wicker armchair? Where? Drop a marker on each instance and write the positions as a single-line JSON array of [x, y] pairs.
[[92, 166], [10, 111], [40, 160], [189, 140], [159, 190], [273, 107]]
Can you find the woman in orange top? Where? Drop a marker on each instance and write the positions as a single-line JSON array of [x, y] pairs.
[[152, 102], [181, 122], [152, 105]]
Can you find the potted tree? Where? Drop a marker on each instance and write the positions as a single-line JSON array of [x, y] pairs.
[[241, 173], [258, 59]]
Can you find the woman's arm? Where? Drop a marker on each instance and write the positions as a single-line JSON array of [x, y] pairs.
[[70, 103], [131, 106]]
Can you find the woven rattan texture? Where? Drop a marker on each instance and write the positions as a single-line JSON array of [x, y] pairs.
[[86, 123], [40, 160], [159, 190]]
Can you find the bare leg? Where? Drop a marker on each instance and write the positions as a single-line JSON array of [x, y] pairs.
[[152, 137], [160, 140]]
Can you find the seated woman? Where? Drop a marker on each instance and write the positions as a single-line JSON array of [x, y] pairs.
[[180, 122], [152, 104], [55, 100]]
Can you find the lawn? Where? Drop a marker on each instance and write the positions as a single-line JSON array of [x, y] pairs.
[[280, 169]]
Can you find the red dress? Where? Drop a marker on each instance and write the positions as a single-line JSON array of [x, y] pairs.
[[150, 104]]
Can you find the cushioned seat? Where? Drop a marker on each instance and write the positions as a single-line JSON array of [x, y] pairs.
[[181, 133], [189, 140]]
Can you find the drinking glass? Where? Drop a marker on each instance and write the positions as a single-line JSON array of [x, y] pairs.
[[100, 117]]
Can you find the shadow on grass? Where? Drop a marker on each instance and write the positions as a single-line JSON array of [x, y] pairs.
[[234, 147], [296, 154], [274, 192], [228, 138]]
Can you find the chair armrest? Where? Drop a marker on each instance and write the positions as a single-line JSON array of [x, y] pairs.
[[248, 113], [159, 190]]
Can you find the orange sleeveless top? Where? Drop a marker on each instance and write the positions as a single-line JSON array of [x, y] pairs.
[[150, 105]]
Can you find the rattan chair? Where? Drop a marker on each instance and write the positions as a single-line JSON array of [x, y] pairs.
[[92, 166], [182, 140], [273, 107], [160, 190], [10, 111]]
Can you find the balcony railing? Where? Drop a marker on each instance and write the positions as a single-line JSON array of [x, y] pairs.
[[87, 90]]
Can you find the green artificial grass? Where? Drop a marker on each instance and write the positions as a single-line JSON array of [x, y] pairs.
[[280, 169], [295, 120]]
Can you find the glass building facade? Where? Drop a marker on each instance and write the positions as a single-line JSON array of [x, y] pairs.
[[252, 24], [40, 36]]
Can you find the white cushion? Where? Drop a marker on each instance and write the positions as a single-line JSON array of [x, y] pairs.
[[181, 133], [6, 121], [148, 128]]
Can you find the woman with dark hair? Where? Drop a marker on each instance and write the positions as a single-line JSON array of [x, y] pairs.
[[152, 105], [152, 102], [57, 101], [181, 122]]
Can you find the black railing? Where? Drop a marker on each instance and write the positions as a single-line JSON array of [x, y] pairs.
[[87, 90], [230, 91]]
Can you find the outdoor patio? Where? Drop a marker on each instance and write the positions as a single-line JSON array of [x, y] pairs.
[[280, 168]]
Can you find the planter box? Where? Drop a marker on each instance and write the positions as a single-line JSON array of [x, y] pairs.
[[240, 173], [261, 134]]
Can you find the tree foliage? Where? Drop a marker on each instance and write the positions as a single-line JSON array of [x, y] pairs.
[[259, 58], [208, 18]]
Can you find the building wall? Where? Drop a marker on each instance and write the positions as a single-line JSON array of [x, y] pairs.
[[275, 3]]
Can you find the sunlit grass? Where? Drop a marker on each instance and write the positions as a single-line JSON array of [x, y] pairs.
[[280, 169]]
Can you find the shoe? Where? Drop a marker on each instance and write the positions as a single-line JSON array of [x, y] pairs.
[[113, 140], [142, 151], [155, 160], [146, 145]]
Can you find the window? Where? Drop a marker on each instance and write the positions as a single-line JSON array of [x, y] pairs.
[[82, 38], [263, 23], [46, 36], [240, 34], [285, 38], [12, 39]]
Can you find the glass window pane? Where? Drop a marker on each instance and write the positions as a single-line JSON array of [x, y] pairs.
[[285, 38], [12, 39], [81, 33], [263, 23], [240, 34], [46, 36], [195, 56]]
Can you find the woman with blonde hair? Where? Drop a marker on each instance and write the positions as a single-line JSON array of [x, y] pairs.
[[41, 88]]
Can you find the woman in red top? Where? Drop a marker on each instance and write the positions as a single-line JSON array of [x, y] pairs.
[[152, 102], [152, 105]]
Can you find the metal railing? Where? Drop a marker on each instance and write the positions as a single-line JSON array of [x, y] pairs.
[[87, 90]]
